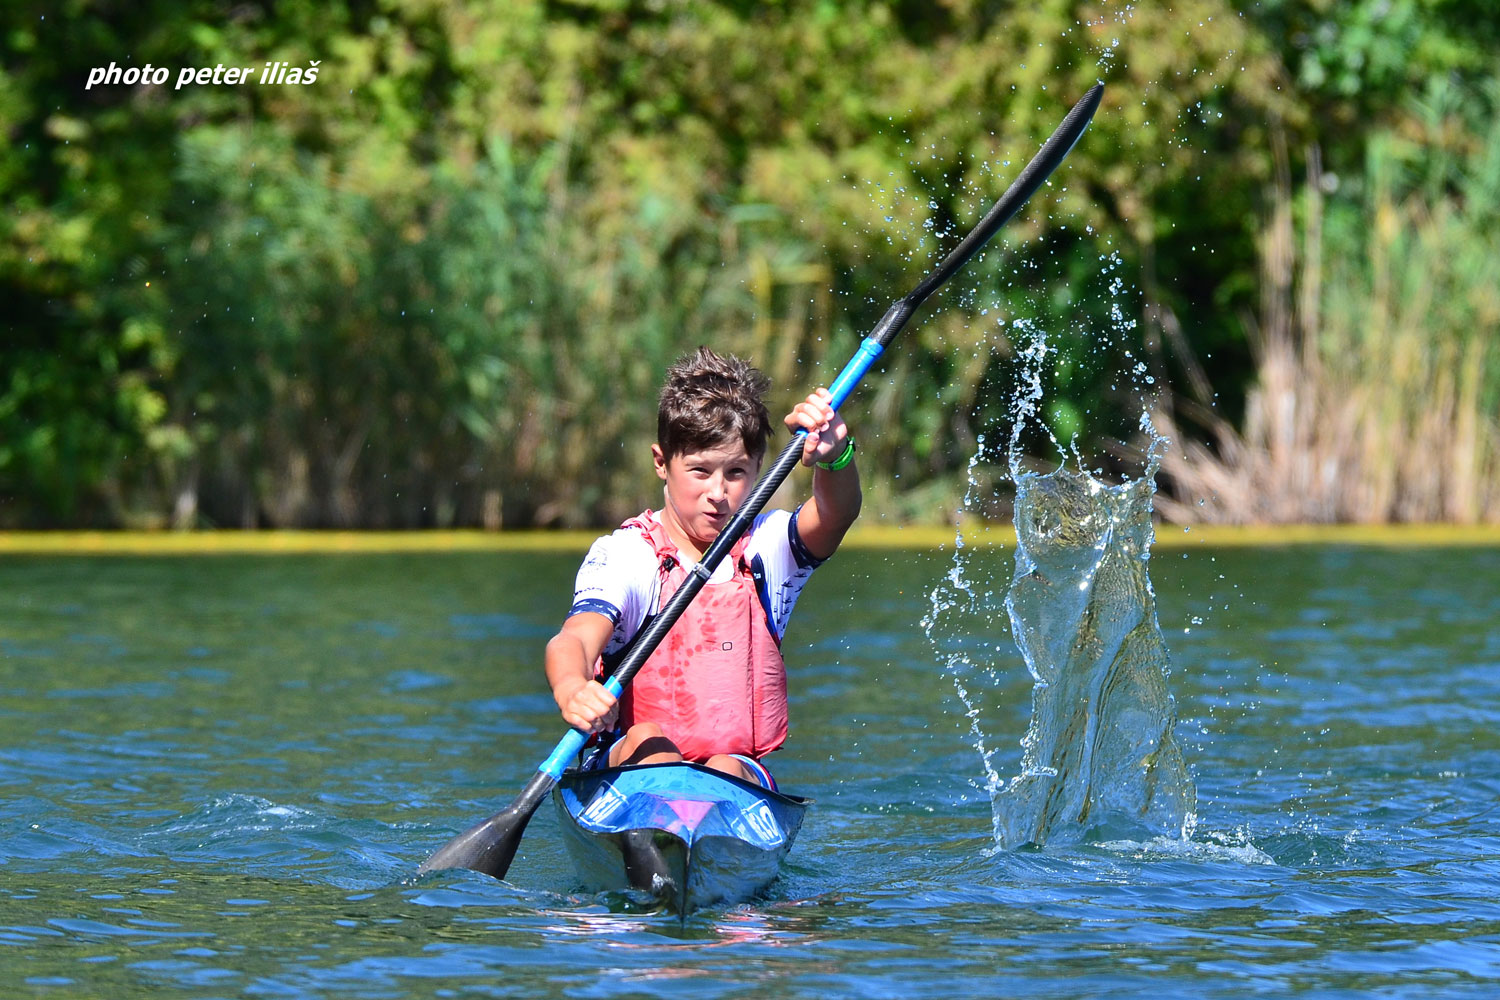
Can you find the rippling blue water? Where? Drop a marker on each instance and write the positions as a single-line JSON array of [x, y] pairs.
[[217, 777]]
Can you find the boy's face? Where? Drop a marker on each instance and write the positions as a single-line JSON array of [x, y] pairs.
[[705, 487]]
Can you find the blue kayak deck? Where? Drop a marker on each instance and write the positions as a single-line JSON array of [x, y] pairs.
[[688, 834]]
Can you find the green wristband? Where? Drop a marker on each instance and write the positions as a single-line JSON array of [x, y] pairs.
[[842, 460]]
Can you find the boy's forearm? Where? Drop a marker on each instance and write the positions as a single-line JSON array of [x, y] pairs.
[[838, 496], [567, 663]]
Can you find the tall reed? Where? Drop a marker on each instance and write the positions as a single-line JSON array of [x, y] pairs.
[[1377, 393]]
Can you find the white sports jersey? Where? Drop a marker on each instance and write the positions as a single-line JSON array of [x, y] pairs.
[[620, 579]]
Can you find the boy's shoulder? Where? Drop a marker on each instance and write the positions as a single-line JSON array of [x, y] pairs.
[[771, 527], [625, 547], [617, 574]]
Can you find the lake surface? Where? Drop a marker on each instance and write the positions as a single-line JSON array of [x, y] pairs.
[[218, 775]]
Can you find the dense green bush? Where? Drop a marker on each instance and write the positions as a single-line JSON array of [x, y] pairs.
[[438, 285]]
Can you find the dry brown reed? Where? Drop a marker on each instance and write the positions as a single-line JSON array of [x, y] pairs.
[[1375, 393]]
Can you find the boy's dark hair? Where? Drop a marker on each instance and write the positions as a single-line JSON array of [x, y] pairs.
[[710, 400]]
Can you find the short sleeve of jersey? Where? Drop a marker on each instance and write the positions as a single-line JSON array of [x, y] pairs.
[[618, 579]]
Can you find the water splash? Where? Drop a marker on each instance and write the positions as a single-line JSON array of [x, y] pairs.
[[1099, 755], [958, 609], [1100, 761]]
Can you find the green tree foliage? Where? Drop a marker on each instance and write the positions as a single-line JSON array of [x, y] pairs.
[[438, 285]]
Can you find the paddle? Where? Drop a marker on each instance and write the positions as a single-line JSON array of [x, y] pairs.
[[491, 846]]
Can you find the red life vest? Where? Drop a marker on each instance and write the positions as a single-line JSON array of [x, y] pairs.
[[717, 682]]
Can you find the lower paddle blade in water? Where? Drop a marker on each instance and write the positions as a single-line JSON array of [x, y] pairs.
[[1099, 756]]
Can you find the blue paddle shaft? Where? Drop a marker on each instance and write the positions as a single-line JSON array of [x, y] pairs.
[[843, 387], [567, 748]]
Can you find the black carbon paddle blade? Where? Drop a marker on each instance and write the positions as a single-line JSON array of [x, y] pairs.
[[490, 847], [1047, 159]]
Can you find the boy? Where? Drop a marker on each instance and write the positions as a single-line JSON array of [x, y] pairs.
[[714, 691]]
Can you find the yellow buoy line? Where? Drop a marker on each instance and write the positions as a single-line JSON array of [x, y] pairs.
[[187, 543]]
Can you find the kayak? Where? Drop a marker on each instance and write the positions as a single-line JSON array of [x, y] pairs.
[[690, 835]]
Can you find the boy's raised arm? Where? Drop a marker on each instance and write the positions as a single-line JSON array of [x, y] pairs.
[[836, 495]]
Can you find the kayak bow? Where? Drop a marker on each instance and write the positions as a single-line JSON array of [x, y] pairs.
[[689, 835]]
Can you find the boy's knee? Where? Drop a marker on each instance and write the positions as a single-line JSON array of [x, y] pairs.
[[645, 744], [730, 764], [643, 731]]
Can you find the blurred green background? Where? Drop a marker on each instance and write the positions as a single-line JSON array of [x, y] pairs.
[[438, 285]]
